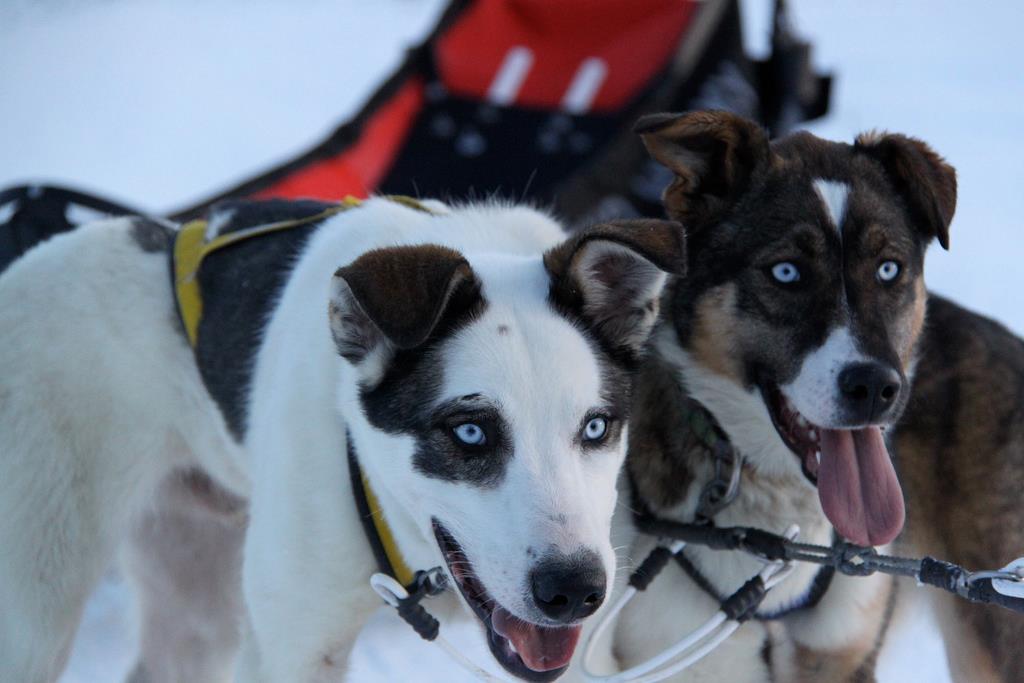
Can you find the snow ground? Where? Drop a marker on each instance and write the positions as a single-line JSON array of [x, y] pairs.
[[158, 102]]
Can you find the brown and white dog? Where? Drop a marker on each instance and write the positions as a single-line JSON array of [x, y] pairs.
[[800, 327]]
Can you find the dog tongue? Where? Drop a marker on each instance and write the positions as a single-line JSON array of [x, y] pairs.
[[857, 485], [541, 648]]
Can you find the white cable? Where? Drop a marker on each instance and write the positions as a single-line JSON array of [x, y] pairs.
[[1009, 587], [771, 576], [637, 673], [714, 631], [727, 628], [607, 620], [391, 591]]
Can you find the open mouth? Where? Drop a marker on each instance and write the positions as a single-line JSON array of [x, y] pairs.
[[799, 435], [857, 484], [526, 650]]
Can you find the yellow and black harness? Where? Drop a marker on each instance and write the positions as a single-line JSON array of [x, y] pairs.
[[193, 245]]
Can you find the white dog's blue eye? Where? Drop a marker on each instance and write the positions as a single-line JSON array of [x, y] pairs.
[[470, 434], [785, 272], [595, 429], [888, 271]]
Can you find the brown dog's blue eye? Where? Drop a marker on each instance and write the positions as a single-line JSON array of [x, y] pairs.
[[785, 272], [470, 434], [595, 429], [888, 271]]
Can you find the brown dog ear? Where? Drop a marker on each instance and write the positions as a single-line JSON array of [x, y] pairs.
[[611, 275], [922, 177], [713, 155], [395, 297]]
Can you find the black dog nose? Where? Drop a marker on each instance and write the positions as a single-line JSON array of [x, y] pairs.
[[569, 588], [869, 390]]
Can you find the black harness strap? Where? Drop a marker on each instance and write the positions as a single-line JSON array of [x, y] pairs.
[[355, 474], [819, 585], [698, 578], [424, 583], [843, 557], [716, 496]]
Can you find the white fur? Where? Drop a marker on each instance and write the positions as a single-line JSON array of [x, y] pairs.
[[845, 612], [833, 195], [549, 486], [631, 287], [815, 392], [100, 400]]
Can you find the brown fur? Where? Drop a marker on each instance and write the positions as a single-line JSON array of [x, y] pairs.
[[921, 175], [659, 444], [401, 291], [959, 445], [960, 454], [715, 330], [712, 155]]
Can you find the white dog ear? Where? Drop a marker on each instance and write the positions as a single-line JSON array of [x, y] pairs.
[[393, 299], [611, 276]]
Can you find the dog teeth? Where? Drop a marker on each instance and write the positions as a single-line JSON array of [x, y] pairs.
[[801, 421], [813, 433], [817, 456]]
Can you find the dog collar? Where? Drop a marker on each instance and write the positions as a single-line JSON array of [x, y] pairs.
[[378, 533], [716, 496], [723, 488]]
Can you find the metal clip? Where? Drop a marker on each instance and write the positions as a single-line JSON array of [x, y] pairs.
[[1008, 581], [856, 560], [723, 487]]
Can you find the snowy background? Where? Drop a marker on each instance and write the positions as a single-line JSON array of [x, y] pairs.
[[158, 103]]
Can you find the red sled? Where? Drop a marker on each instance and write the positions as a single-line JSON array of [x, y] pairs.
[[519, 99]]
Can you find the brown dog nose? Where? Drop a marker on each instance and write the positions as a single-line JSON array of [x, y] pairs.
[[869, 391], [569, 588]]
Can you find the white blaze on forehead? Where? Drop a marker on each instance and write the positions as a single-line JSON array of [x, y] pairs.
[[815, 390], [833, 195]]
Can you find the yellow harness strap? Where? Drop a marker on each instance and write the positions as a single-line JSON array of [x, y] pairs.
[[190, 248], [396, 563]]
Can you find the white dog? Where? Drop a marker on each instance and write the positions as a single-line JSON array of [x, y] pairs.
[[475, 362]]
